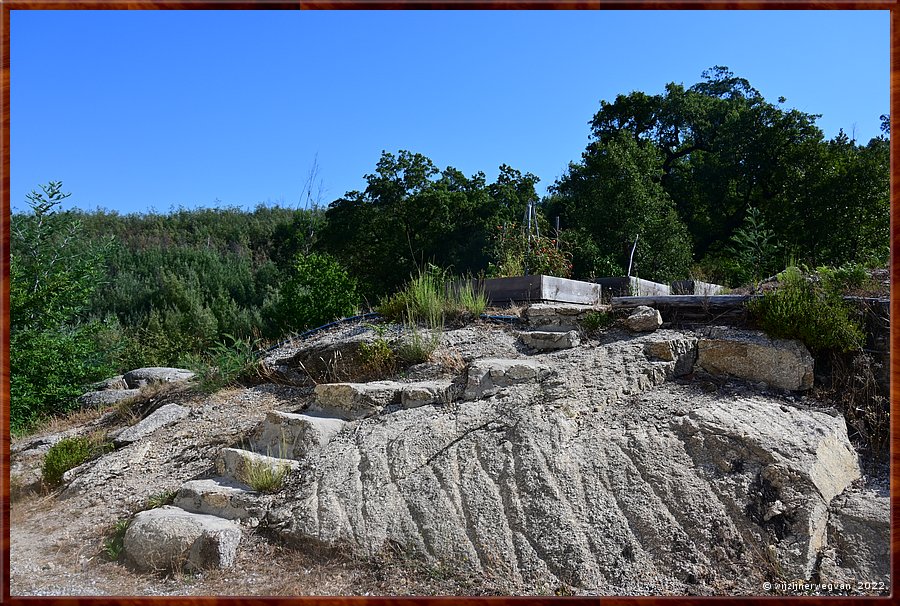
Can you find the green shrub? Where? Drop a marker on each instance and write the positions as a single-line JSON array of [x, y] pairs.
[[801, 309], [595, 321], [319, 291], [426, 299], [378, 356], [417, 344], [69, 453], [844, 278]]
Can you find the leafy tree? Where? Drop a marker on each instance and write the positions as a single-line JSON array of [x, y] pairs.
[[55, 350], [753, 247], [412, 214], [612, 197]]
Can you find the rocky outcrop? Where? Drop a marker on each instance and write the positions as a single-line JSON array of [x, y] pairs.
[[141, 377], [643, 319], [102, 398], [556, 317], [780, 464], [169, 538], [487, 376], [753, 356], [859, 533]]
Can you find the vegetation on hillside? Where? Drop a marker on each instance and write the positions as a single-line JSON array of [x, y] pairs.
[[710, 181]]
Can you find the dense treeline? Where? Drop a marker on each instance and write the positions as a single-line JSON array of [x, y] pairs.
[[710, 181]]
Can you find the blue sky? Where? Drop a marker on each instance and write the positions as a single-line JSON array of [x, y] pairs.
[[141, 110]]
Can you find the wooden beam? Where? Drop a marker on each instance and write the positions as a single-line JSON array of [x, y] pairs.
[[682, 301]]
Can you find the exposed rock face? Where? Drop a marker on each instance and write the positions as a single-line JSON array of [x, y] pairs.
[[643, 319], [543, 340], [169, 537], [753, 356], [161, 417], [790, 462], [293, 436], [488, 376], [859, 539], [221, 497], [141, 377], [565, 316], [517, 488]]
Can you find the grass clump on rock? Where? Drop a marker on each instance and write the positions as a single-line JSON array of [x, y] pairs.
[[69, 453], [264, 477]]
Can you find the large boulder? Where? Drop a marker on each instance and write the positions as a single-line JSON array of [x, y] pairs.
[[102, 398], [355, 400], [780, 464], [643, 319], [859, 539], [169, 538], [556, 316], [141, 377], [753, 356]]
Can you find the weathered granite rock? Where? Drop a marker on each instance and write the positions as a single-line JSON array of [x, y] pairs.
[[487, 376], [682, 351], [115, 383], [547, 340], [556, 316], [141, 377], [162, 416], [643, 319], [106, 397], [793, 462], [221, 497], [753, 356], [355, 400], [423, 393], [859, 539], [169, 538], [293, 436], [236, 463]]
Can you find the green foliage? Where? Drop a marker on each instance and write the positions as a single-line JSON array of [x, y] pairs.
[[166, 497], [431, 299], [844, 278], [55, 350], [801, 309], [611, 198], [412, 213], [595, 321], [263, 476], [516, 254], [378, 356], [417, 345], [225, 364], [318, 291], [753, 248], [114, 544], [69, 453]]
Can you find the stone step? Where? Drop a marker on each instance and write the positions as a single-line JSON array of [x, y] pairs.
[[238, 464], [170, 538], [293, 436], [548, 340], [353, 401], [488, 375], [223, 498]]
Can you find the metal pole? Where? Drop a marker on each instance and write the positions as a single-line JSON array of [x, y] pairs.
[[631, 258]]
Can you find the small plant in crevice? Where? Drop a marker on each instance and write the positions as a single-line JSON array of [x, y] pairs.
[[264, 477], [114, 544], [159, 499], [69, 453], [417, 345], [595, 321], [378, 356]]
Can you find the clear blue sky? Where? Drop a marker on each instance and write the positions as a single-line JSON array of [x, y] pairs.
[[145, 110]]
